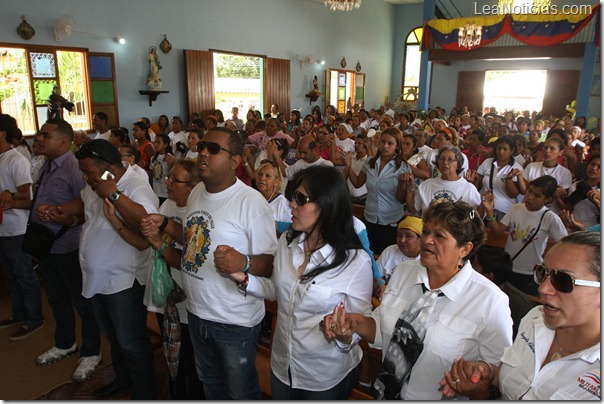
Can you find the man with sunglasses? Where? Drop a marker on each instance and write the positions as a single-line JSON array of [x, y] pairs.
[[228, 227], [115, 258]]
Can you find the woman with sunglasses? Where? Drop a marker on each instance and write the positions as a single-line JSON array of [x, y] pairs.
[[180, 182], [433, 310], [556, 355], [320, 263]]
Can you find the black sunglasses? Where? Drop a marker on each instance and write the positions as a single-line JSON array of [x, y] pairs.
[[561, 281], [301, 199], [213, 148]]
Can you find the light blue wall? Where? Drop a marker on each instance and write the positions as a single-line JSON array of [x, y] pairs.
[[286, 29]]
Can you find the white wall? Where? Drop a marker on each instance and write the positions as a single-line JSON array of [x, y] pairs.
[[287, 29]]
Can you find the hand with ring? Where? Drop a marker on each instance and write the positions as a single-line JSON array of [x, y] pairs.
[[338, 325], [468, 378]]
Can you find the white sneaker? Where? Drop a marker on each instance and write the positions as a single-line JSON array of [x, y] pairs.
[[54, 354], [87, 366]]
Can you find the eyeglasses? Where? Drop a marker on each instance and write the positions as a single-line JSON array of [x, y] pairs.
[[127, 155], [449, 160], [213, 148], [300, 198], [172, 179], [561, 281]]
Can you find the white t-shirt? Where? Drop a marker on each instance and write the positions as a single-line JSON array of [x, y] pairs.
[[182, 137], [299, 346], [346, 145], [238, 217], [168, 209], [301, 165], [436, 190], [574, 377], [472, 320], [104, 136], [535, 170], [24, 151], [521, 224], [503, 202], [159, 171], [140, 171], [14, 172], [357, 167], [191, 155], [282, 212], [109, 264], [390, 258], [585, 211]]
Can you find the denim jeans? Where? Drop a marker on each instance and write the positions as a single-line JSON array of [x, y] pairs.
[[23, 284], [63, 284], [122, 316], [225, 357], [341, 391]]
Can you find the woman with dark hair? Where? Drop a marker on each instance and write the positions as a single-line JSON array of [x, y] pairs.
[[164, 125], [582, 205], [415, 159], [117, 137], [557, 353], [294, 120], [449, 186], [317, 117], [499, 175], [433, 310], [383, 175], [320, 264], [143, 144]]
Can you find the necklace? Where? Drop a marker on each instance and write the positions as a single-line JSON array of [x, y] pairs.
[[559, 354], [270, 198]]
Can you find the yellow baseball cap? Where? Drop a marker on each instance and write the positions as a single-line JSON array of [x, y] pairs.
[[412, 223]]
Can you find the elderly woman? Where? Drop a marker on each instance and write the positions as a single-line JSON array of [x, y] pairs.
[[556, 355], [383, 175], [448, 187], [320, 264], [443, 137], [180, 183], [433, 311], [269, 182]]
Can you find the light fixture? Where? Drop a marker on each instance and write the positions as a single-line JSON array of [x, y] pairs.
[[322, 62], [119, 40], [343, 5], [469, 35]]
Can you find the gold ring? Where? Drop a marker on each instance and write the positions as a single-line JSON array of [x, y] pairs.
[[456, 381], [333, 326]]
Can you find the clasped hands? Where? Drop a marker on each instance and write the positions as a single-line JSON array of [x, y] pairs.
[[338, 325], [469, 378]]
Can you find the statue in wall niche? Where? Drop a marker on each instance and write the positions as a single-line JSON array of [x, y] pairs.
[[315, 87], [153, 80]]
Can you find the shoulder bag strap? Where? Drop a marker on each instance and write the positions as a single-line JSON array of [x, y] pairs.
[[64, 228], [532, 236], [491, 175]]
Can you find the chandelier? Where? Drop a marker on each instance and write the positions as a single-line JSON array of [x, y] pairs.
[[470, 35], [343, 5]]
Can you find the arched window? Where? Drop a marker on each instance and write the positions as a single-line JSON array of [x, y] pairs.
[[411, 65]]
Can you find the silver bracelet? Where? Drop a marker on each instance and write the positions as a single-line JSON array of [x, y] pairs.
[[491, 371]]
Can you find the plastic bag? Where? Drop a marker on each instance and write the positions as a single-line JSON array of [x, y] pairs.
[[162, 283]]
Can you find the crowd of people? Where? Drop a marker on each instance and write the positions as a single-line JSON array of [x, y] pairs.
[[240, 212]]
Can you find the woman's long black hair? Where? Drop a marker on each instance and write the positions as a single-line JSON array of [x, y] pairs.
[[328, 189]]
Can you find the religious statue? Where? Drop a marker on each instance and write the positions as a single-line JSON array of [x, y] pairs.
[[315, 87], [56, 103], [153, 80]]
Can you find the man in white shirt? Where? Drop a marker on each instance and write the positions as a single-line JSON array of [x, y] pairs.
[[15, 186], [99, 124], [178, 138], [228, 227], [307, 147], [115, 260]]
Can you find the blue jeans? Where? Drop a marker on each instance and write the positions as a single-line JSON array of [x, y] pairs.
[[341, 391], [23, 284], [225, 357], [63, 284], [122, 316]]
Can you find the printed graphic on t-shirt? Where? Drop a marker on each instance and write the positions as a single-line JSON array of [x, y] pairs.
[[158, 171], [443, 195], [197, 240], [517, 233]]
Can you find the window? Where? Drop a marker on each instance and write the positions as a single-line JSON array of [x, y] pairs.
[[238, 82], [411, 65], [344, 87], [27, 78], [518, 90]]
